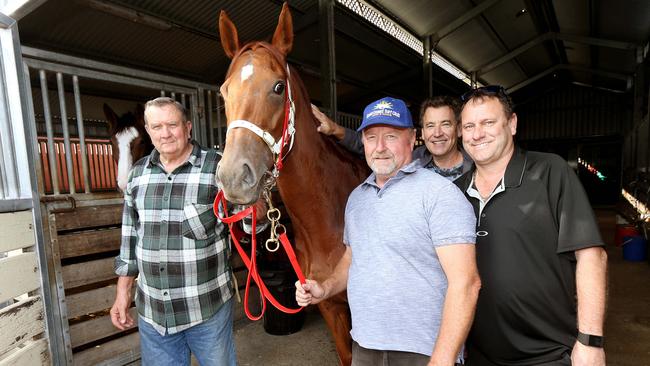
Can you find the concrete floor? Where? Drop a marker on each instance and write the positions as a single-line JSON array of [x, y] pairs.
[[627, 328]]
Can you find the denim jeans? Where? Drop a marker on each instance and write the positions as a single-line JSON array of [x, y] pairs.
[[211, 342]]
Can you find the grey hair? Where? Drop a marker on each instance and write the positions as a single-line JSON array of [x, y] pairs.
[[165, 101]]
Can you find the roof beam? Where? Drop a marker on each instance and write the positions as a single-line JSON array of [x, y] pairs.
[[609, 74], [458, 22], [533, 79], [485, 68], [593, 41]]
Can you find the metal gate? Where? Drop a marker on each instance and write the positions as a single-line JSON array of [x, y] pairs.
[[81, 217], [27, 322]]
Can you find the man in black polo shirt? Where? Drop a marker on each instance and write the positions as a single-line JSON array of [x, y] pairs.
[[539, 252]]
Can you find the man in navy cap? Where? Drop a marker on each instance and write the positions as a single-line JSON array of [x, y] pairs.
[[409, 265]]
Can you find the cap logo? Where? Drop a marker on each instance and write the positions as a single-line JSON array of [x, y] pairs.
[[383, 108], [383, 105]]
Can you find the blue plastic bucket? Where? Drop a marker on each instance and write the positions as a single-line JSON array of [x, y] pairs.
[[634, 248]]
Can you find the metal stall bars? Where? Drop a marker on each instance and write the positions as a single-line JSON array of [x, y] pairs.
[[27, 316], [83, 229]]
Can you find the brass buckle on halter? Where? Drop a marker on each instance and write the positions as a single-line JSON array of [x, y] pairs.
[[273, 214]]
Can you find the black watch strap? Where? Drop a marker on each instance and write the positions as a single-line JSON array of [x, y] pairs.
[[591, 340]]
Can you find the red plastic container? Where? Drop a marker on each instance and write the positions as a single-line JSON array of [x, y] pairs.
[[622, 231]]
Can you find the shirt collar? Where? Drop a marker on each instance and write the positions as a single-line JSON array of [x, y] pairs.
[[403, 171], [515, 169], [195, 157], [513, 176]]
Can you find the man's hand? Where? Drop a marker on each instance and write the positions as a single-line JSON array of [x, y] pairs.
[[120, 316], [327, 126], [309, 293], [584, 355]]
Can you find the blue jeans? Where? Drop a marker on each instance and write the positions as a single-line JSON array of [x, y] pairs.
[[211, 342]]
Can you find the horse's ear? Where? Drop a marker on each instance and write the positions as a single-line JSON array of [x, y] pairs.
[[111, 117], [283, 36], [228, 34]]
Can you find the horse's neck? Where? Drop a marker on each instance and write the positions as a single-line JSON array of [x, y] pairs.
[[316, 181]]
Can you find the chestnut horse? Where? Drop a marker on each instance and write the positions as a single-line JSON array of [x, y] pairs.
[[317, 175], [129, 139]]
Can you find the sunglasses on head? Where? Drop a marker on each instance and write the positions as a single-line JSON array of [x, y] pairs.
[[490, 89]]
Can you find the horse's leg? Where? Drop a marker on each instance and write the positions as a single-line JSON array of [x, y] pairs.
[[337, 316]]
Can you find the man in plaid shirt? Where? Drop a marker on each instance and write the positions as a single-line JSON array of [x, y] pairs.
[[173, 243]]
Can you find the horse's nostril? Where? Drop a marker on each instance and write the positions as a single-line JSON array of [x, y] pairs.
[[248, 177]]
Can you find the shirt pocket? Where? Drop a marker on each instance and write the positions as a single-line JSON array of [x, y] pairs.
[[199, 221]]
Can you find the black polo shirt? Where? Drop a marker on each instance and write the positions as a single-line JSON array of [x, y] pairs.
[[526, 312]]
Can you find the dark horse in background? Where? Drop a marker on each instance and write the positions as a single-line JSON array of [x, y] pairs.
[[129, 140], [317, 176]]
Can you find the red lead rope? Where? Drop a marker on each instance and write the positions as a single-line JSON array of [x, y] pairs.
[[251, 263]]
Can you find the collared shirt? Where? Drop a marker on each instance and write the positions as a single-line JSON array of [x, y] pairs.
[[393, 232], [173, 242], [527, 234]]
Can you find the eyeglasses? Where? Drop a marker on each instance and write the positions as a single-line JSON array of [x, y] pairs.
[[490, 89]]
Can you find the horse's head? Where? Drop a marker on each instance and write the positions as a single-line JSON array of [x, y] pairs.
[[129, 139], [255, 95]]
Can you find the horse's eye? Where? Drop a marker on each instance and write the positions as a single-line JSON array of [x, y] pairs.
[[278, 88]]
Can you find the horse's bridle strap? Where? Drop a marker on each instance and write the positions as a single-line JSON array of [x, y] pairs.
[[264, 135]]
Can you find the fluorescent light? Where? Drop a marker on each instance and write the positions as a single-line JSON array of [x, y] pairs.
[[641, 209], [9, 7], [384, 23]]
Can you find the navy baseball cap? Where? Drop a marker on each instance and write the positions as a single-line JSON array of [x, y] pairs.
[[386, 111]]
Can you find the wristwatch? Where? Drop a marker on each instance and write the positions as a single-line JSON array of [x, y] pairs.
[[591, 340]]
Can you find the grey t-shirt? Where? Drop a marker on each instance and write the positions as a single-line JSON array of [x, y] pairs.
[[396, 285]]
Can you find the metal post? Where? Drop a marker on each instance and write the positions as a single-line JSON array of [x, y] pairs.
[[183, 101], [66, 133], [200, 107], [209, 118], [200, 131], [82, 135], [327, 56], [427, 64], [172, 95], [162, 93], [49, 131]]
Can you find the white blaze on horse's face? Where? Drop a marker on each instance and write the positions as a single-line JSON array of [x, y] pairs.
[[246, 72], [124, 140]]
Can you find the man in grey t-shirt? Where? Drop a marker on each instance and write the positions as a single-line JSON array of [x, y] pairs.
[[409, 265]]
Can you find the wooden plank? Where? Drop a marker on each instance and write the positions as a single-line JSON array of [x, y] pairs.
[[94, 329], [90, 301], [20, 322], [89, 242], [16, 230], [80, 274], [18, 275], [129, 344], [33, 354], [87, 217]]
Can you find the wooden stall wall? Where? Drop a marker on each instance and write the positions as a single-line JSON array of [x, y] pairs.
[[85, 241], [22, 317]]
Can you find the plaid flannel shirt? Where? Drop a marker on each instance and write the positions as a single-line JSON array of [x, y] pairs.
[[173, 242]]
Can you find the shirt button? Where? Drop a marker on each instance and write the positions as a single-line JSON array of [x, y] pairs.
[[483, 215], [169, 178], [163, 221], [165, 293], [165, 198], [162, 269]]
